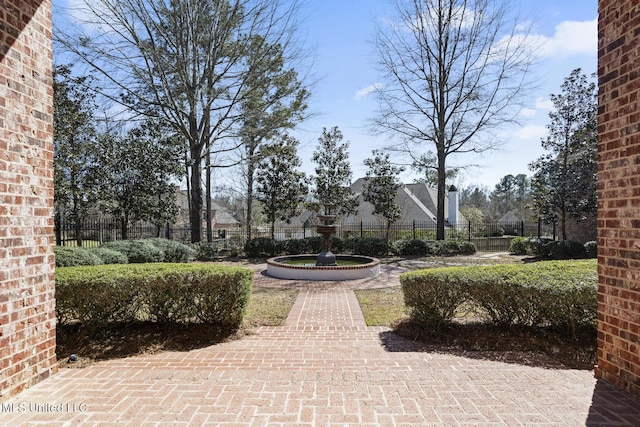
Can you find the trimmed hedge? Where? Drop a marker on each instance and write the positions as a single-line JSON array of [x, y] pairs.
[[262, 247], [553, 249], [137, 251], [433, 296], [410, 247], [558, 294], [164, 292], [72, 255], [109, 256], [173, 251]]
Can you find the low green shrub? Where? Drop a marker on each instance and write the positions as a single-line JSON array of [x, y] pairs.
[[409, 247], [540, 247], [466, 247], [296, 246], [109, 256], [165, 292], [450, 247], [173, 251], [591, 249], [519, 246], [433, 296], [205, 251], [566, 249], [263, 247], [137, 251], [73, 255], [314, 244], [371, 246], [557, 294]]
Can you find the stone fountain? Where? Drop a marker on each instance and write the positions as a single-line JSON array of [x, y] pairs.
[[325, 265], [326, 229]]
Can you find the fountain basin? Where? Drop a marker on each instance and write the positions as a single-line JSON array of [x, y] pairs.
[[302, 267]]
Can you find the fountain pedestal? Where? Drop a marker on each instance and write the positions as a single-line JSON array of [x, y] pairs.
[[326, 230]]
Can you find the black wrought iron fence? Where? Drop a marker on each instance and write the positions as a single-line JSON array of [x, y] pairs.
[[487, 236]]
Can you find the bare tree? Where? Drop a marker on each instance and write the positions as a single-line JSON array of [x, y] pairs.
[[454, 71], [185, 61]]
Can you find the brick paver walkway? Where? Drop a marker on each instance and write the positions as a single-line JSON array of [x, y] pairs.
[[324, 367]]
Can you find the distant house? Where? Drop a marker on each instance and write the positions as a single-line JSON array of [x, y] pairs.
[[220, 217], [510, 223], [418, 203]]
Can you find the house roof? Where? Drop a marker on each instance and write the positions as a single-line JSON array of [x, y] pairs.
[[509, 217], [418, 202], [221, 216]]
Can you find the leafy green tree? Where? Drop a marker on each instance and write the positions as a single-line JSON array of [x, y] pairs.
[[74, 139], [380, 187], [476, 197], [137, 175], [453, 71], [280, 186], [333, 176], [183, 61], [564, 183], [472, 214], [275, 101], [512, 193]]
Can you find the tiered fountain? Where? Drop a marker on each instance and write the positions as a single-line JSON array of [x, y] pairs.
[[327, 266], [326, 230]]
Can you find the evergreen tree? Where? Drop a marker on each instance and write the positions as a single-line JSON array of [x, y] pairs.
[[137, 173], [565, 180], [274, 101], [280, 186], [511, 194], [380, 187], [333, 174], [74, 141]]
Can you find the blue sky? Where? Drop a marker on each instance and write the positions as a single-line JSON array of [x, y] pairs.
[[341, 32]]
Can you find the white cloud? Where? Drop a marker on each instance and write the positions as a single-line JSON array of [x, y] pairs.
[[367, 90], [571, 38], [530, 133], [544, 104], [528, 112]]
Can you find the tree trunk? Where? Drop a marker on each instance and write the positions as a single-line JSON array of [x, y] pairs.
[[441, 194], [208, 197], [77, 221], [123, 227], [195, 214], [250, 173]]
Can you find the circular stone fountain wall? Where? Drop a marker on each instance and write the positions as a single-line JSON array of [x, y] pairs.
[[360, 267]]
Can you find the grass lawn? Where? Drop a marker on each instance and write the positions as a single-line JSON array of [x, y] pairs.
[[269, 306], [381, 307]]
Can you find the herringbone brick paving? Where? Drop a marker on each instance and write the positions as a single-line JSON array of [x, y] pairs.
[[324, 367]]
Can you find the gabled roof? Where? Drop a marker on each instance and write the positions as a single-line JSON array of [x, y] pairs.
[[417, 201], [221, 216], [509, 217]]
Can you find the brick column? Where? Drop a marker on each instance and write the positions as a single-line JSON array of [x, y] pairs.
[[619, 194], [27, 305]]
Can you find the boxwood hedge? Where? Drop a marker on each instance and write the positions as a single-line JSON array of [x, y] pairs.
[[166, 292], [557, 294]]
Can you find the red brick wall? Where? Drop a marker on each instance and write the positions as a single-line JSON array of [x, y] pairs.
[[27, 306], [619, 194]]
